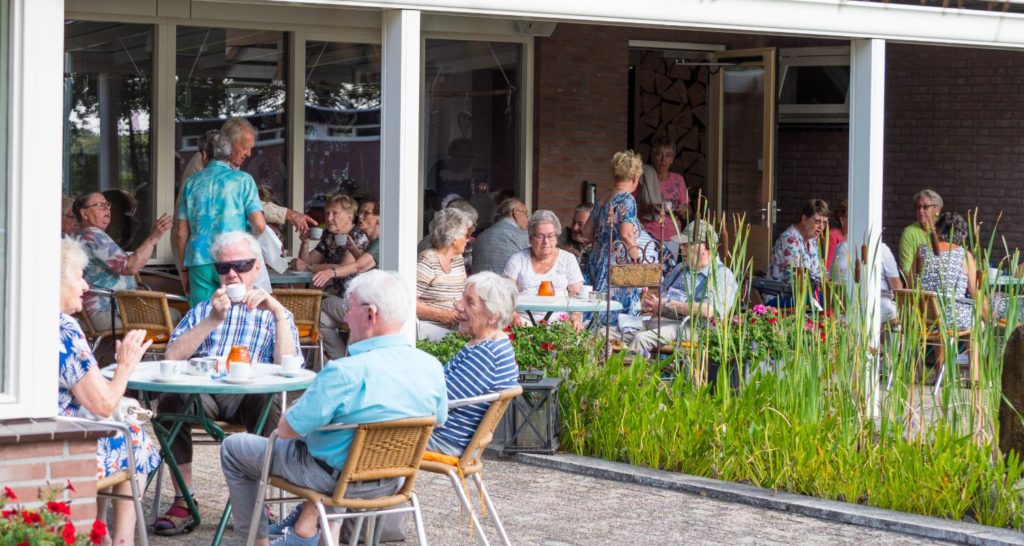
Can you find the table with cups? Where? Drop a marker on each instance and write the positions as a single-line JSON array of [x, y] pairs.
[[210, 375], [563, 303]]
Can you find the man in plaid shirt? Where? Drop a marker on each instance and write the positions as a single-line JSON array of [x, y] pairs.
[[258, 322]]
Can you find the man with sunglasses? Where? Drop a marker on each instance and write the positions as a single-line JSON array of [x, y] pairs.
[[211, 328]]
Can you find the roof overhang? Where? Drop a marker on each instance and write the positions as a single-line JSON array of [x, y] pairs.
[[821, 18]]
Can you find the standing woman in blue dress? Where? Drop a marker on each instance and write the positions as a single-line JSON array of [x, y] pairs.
[[625, 226], [84, 392]]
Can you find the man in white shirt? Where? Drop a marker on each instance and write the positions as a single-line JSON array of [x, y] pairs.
[[842, 271]]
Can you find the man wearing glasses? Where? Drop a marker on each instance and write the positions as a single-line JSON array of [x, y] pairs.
[[256, 321], [700, 288], [927, 207], [496, 244]]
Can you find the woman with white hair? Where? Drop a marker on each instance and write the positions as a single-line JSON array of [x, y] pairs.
[[83, 392], [544, 261], [486, 364], [441, 274]]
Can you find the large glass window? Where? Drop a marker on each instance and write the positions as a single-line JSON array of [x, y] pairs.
[[225, 73], [107, 105], [342, 121], [473, 121]]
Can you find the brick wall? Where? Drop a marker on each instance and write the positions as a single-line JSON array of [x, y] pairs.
[[26, 467]]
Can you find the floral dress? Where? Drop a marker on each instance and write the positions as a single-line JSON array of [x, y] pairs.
[[75, 360], [605, 235], [944, 274]]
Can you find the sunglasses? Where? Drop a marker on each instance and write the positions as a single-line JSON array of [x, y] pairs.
[[240, 266]]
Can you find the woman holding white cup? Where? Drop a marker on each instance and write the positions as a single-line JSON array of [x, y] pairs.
[[334, 245]]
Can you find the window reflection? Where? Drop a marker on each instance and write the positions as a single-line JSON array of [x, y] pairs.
[[342, 133], [225, 73], [473, 121], [107, 105]]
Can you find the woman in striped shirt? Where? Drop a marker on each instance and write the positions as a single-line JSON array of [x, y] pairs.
[[486, 364], [441, 274]]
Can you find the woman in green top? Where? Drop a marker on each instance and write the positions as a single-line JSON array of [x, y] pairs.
[[927, 207]]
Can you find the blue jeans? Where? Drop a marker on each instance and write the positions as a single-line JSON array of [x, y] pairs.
[[241, 458]]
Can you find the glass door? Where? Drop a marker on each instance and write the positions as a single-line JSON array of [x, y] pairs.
[[743, 174]]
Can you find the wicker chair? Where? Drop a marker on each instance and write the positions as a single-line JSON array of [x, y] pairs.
[[926, 310], [146, 310], [390, 449], [92, 335], [127, 475], [304, 303], [470, 462]]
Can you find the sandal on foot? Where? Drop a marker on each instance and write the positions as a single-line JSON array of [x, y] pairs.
[[175, 521]]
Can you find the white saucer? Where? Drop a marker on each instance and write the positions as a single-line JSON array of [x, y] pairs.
[[283, 373], [170, 379], [238, 380]]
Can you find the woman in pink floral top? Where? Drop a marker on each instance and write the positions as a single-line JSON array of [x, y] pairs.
[[797, 247], [673, 190]]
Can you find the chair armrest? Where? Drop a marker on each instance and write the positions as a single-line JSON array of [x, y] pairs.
[[483, 398], [176, 297], [100, 291], [337, 426], [123, 428]]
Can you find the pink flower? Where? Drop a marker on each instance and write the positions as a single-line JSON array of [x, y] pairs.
[[760, 309]]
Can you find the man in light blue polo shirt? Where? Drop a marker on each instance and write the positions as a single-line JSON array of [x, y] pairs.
[[384, 378]]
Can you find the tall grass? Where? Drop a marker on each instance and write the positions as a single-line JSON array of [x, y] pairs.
[[830, 412]]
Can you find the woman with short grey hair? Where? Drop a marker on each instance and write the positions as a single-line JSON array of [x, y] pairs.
[[441, 274], [486, 363], [544, 261]]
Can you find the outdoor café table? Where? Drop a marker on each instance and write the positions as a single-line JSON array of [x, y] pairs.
[[1006, 283], [265, 380], [561, 304], [290, 277]]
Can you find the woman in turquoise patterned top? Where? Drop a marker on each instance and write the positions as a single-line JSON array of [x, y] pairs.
[[625, 226], [84, 392]]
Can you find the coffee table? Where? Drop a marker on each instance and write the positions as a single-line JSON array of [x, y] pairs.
[[564, 304], [265, 380]]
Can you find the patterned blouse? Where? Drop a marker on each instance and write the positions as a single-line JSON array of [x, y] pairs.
[[332, 253], [107, 268], [790, 251], [75, 361], [436, 287], [945, 275]]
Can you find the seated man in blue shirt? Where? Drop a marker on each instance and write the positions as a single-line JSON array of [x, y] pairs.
[[259, 322], [699, 288], [384, 378]]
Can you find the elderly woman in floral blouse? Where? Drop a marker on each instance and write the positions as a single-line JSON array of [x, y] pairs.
[[84, 392], [109, 267], [797, 247]]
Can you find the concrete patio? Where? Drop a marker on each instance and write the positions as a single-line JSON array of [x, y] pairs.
[[549, 507]]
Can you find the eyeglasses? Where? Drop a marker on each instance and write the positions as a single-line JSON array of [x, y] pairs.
[[544, 236], [367, 212], [520, 211], [240, 266], [103, 205], [924, 207]]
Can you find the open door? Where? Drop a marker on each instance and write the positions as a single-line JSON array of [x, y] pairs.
[[743, 167]]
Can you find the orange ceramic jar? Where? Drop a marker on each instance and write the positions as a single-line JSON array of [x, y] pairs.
[[546, 289], [239, 353]]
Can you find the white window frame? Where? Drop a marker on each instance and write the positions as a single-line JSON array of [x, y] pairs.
[[33, 207], [436, 27], [812, 56]]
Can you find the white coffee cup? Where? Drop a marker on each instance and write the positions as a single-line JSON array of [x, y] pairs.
[[291, 363], [222, 362], [585, 291], [240, 370], [171, 368], [340, 239], [316, 233], [236, 291]]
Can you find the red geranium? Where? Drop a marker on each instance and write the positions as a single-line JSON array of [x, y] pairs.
[[9, 493], [99, 530], [548, 346], [58, 508], [30, 518], [68, 534], [70, 487]]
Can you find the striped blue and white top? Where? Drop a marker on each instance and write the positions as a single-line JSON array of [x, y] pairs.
[[488, 366]]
